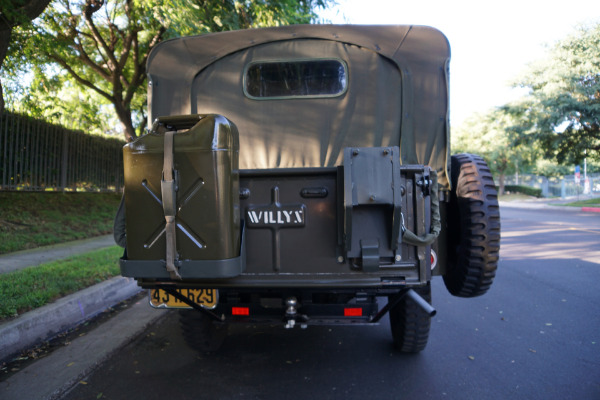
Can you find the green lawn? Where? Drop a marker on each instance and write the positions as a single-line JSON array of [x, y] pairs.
[[34, 287], [34, 219], [585, 203]]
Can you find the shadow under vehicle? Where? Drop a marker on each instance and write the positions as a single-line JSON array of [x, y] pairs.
[[296, 174]]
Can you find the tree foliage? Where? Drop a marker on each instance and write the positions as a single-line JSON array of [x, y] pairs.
[[14, 13], [91, 54], [562, 110], [204, 16], [558, 120], [492, 135], [100, 48]]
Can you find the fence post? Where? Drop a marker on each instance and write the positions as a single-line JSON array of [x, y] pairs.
[[65, 161], [4, 142]]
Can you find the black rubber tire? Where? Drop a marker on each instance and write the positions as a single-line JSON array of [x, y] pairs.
[[473, 227], [410, 323], [200, 332]]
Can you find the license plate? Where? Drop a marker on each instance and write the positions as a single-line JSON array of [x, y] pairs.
[[206, 298]]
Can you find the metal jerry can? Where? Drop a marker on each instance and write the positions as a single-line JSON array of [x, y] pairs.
[[182, 197]]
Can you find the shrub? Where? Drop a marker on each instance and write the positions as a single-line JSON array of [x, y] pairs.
[[528, 190]]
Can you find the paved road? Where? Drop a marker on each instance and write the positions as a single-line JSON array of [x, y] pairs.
[[535, 335]]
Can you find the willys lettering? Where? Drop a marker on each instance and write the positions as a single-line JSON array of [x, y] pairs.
[[257, 217]]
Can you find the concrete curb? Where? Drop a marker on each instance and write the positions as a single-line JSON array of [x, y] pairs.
[[48, 321], [51, 377], [591, 209]]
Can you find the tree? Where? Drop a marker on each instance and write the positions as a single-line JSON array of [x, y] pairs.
[[492, 136], [204, 16], [562, 110], [102, 46], [12, 14]]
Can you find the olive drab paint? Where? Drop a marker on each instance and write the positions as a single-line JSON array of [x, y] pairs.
[[207, 184], [338, 189]]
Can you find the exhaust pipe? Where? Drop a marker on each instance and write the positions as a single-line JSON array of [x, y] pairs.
[[421, 302]]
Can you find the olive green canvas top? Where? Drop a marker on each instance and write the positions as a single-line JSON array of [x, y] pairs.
[[375, 86]]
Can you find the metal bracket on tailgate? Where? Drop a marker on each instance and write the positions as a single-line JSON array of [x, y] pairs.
[[372, 191], [370, 254]]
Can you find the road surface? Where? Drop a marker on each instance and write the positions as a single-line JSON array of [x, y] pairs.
[[534, 335]]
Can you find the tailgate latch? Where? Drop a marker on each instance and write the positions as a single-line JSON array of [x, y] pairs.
[[370, 254]]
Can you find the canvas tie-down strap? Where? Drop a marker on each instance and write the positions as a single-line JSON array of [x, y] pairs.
[[169, 199]]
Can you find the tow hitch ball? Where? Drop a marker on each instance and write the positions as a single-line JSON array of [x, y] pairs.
[[291, 313]]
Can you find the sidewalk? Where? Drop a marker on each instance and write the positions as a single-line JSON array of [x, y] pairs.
[[29, 258], [551, 204], [41, 324]]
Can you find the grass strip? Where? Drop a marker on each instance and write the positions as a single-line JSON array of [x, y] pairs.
[[33, 287], [584, 203]]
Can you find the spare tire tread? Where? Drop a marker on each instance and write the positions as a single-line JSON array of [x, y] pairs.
[[474, 227]]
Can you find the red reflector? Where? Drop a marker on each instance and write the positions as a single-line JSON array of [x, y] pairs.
[[240, 311], [352, 312], [433, 259]]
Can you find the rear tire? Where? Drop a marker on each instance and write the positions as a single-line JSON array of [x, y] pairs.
[[200, 332], [410, 323], [473, 227]]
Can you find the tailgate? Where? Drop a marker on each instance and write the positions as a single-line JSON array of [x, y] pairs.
[[304, 228]]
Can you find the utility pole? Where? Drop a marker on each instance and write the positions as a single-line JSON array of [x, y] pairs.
[[585, 165], [586, 183]]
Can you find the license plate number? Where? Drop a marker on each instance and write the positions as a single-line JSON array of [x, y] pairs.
[[206, 298]]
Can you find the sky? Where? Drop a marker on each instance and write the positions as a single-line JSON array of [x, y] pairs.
[[491, 41]]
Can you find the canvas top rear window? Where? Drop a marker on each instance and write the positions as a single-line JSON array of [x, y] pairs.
[[295, 79]]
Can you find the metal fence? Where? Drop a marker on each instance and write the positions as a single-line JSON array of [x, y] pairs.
[[37, 156], [567, 186]]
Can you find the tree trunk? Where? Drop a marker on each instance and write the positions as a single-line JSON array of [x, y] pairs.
[[501, 178], [4, 42], [126, 122]]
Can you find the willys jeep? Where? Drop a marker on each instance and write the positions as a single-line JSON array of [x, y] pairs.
[[302, 175]]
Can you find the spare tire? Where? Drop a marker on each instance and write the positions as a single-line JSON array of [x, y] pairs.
[[473, 227]]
